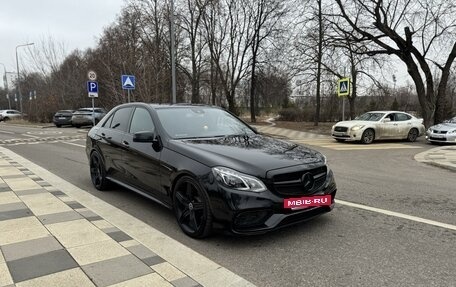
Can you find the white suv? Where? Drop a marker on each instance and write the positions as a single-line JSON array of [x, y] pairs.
[[6, 115]]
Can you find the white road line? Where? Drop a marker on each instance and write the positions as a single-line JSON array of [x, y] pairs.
[[79, 145], [6, 132], [30, 136], [397, 214]]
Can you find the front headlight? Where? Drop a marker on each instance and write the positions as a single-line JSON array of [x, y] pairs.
[[429, 131], [452, 132], [357, 127], [236, 180]]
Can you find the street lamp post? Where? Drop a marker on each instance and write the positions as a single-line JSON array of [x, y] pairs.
[[5, 78], [18, 79], [173, 51]]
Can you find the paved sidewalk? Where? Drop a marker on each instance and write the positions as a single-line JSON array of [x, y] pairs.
[[288, 133], [444, 157], [54, 234]]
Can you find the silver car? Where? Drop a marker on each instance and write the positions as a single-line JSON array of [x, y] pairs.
[[377, 125], [84, 116], [442, 133]]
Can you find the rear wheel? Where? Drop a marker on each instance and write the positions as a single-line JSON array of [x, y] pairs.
[[368, 136], [191, 208], [98, 172], [412, 135]]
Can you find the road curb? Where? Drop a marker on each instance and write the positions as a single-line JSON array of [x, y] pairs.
[[427, 158]]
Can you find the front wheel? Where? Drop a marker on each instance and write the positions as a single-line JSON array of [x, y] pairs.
[[412, 135], [191, 208], [368, 136], [98, 172]]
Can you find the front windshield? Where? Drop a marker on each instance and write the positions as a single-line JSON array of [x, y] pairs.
[[200, 122], [373, 117], [452, 121]]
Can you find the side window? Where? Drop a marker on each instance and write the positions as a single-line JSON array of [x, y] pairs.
[[120, 119], [391, 117], [141, 121], [107, 123], [402, 117]]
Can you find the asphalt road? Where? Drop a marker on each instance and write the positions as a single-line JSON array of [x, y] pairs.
[[347, 247]]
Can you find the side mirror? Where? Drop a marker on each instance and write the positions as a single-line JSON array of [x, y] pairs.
[[386, 120], [144, 137]]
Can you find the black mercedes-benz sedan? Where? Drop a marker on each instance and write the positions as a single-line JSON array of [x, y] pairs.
[[212, 169]]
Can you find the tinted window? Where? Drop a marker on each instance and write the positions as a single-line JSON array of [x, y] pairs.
[[141, 121], [402, 117], [200, 122], [107, 123], [370, 117], [120, 119]]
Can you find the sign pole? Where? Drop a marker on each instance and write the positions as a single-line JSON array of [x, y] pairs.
[[93, 111], [343, 108], [128, 92]]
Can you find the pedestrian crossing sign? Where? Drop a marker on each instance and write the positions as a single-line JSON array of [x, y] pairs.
[[343, 87]]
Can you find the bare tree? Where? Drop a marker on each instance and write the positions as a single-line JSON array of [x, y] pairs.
[[417, 32]]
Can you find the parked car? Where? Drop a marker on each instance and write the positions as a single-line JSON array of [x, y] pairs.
[[208, 166], [84, 116], [378, 125], [63, 117], [6, 115], [442, 133]]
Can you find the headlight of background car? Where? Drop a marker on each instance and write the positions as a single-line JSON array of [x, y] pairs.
[[357, 127], [429, 130], [237, 180], [452, 132]]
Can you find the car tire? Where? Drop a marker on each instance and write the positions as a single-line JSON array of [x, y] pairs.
[[98, 172], [412, 135], [59, 126], [6, 119], [368, 136], [191, 208], [77, 126]]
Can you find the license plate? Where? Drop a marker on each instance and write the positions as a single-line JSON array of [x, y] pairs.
[[438, 136], [307, 201], [338, 134], [62, 118]]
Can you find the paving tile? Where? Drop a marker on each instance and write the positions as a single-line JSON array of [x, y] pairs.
[[8, 197], [116, 270], [2, 259], [44, 203], [59, 217], [110, 229], [31, 191], [69, 278], [12, 206], [5, 188], [98, 251], [152, 279], [40, 265], [185, 282], [21, 183], [5, 277], [23, 234], [43, 183], [56, 192], [75, 205], [21, 175], [129, 243], [8, 171], [19, 223], [119, 236], [27, 172], [29, 248], [102, 224], [168, 271], [141, 251], [90, 215], [153, 260], [13, 214], [76, 233]]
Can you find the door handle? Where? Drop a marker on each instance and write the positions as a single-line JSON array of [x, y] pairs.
[[125, 143]]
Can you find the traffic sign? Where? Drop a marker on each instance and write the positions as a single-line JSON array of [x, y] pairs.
[[128, 82], [92, 88], [343, 87], [92, 75]]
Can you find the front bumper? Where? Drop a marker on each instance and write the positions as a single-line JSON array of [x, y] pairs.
[[441, 138], [248, 213], [348, 135]]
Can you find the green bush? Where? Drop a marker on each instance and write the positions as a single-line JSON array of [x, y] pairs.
[[292, 115]]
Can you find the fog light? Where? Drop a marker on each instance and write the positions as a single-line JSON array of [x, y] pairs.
[[251, 218]]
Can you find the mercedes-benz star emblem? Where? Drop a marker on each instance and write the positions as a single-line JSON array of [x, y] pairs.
[[308, 181], [190, 206]]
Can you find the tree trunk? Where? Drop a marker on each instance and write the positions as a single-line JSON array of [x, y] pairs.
[[319, 57], [253, 91], [441, 106]]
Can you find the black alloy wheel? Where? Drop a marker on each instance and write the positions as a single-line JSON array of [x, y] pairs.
[[368, 136], [98, 172], [412, 135], [191, 208]]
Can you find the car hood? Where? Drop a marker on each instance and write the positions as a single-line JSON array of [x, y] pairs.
[[350, 124], [444, 127], [254, 155]]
